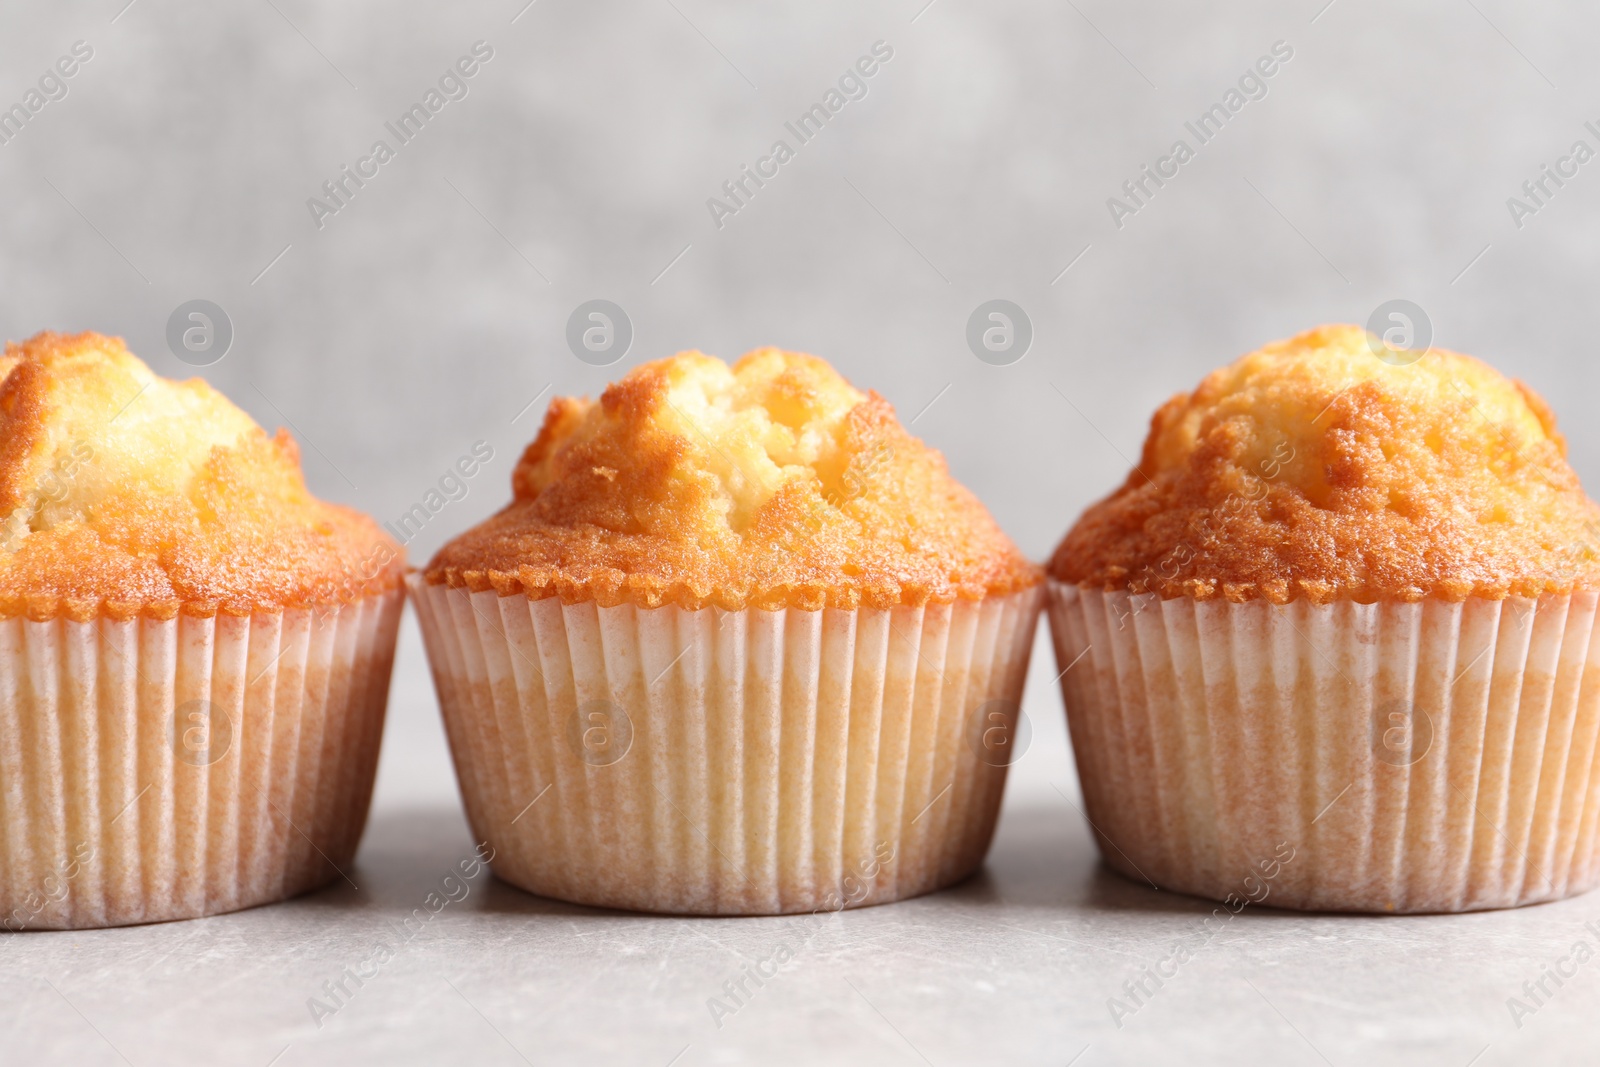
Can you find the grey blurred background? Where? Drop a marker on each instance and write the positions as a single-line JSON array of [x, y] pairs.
[[432, 308]]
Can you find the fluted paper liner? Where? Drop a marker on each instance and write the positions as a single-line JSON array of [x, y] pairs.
[[154, 770], [1423, 757], [745, 762]]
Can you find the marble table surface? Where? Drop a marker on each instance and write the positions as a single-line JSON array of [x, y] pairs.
[[1018, 964]]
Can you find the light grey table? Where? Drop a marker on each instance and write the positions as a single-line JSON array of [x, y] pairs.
[[1016, 965]]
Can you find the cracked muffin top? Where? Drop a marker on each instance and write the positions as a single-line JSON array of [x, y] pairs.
[[770, 484], [125, 494], [1313, 468]]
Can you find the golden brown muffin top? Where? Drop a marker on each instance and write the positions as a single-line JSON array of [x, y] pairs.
[[1314, 468], [127, 494], [771, 484]]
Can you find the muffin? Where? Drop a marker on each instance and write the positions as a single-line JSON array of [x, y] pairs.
[[194, 652], [738, 645], [1328, 647]]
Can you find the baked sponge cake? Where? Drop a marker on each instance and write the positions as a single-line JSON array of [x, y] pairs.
[[732, 648], [1339, 476], [1341, 611], [194, 651]]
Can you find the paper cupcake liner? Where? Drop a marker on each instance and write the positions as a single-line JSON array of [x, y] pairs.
[[154, 770], [1424, 757], [728, 763]]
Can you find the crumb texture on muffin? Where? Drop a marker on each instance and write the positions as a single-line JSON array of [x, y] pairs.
[[127, 494], [770, 484], [1313, 468]]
